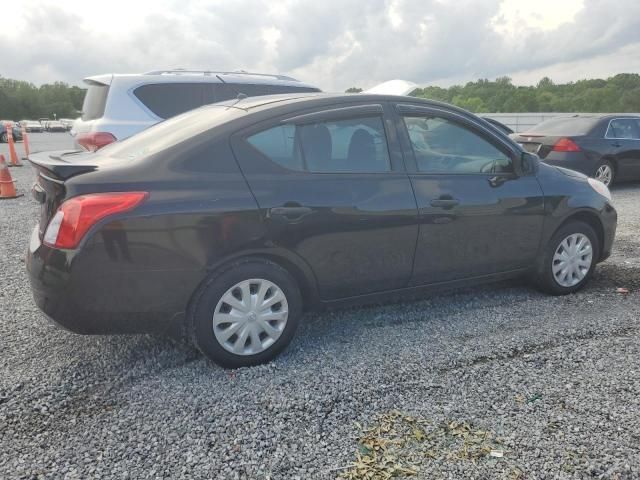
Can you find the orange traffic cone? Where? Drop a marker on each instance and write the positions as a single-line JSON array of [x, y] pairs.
[[25, 143], [12, 147], [7, 187]]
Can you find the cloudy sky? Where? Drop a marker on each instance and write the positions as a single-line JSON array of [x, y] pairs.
[[333, 44]]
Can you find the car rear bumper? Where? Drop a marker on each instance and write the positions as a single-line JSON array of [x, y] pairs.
[[78, 295], [578, 161]]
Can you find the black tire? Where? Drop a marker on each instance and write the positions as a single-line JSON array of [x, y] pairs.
[[545, 279], [605, 163], [203, 305]]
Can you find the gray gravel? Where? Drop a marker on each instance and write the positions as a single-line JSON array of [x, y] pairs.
[[557, 379]]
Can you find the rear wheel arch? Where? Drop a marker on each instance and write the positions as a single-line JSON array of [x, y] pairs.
[[303, 276], [612, 160]]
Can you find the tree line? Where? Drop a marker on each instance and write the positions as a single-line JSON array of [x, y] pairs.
[[619, 94], [21, 100]]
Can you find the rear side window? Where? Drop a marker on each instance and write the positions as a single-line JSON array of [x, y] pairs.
[[441, 146], [95, 101], [352, 146], [167, 100], [220, 92], [169, 133], [623, 128]]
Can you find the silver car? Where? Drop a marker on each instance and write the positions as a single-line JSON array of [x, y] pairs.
[[117, 106]]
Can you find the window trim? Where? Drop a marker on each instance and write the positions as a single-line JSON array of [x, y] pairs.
[[606, 133], [408, 110], [337, 114]]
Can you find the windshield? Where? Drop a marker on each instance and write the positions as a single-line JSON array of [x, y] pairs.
[[565, 126], [172, 131]]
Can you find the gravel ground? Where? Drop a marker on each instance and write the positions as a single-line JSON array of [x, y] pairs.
[[555, 380]]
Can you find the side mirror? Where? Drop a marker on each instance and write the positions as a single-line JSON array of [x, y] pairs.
[[528, 163]]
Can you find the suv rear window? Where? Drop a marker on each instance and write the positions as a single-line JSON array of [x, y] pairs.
[[167, 100], [95, 101]]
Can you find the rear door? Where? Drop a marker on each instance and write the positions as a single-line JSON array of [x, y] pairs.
[[477, 216], [332, 188], [624, 136]]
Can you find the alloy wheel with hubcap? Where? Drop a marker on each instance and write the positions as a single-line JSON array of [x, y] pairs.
[[572, 260], [250, 316], [604, 173]]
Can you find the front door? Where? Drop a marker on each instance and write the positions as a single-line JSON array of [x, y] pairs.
[[477, 216], [332, 188], [624, 135]]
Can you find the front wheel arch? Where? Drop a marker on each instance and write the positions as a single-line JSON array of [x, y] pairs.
[[590, 219]]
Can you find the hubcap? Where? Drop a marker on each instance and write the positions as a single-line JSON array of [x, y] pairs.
[[572, 260], [604, 174], [250, 316]]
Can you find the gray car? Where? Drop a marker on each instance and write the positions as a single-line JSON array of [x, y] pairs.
[[605, 147]]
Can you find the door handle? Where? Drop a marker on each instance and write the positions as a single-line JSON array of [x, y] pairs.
[[444, 202], [290, 213], [616, 144]]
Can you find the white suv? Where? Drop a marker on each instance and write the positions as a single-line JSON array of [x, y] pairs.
[[117, 106]]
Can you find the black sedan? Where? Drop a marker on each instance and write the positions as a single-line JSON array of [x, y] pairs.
[[16, 130], [605, 147], [228, 221]]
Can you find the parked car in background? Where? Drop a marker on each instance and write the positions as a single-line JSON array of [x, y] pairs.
[[67, 122], [16, 130], [228, 221], [118, 106], [605, 147], [499, 125], [55, 126], [31, 126]]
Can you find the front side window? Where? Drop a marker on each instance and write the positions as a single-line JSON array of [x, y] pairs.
[[442, 146], [353, 145], [624, 129]]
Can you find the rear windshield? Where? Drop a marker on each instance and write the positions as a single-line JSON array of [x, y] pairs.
[[94, 101], [170, 132], [565, 126], [167, 100]]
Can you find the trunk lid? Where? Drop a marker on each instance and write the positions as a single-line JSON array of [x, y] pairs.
[[54, 168], [537, 143]]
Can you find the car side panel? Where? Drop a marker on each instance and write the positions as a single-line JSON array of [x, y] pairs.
[[149, 263], [564, 200]]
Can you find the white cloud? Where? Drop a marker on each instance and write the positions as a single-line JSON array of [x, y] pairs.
[[334, 43]]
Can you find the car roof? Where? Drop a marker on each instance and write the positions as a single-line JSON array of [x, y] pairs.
[[597, 116], [265, 101], [196, 76]]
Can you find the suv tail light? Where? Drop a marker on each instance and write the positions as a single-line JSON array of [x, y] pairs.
[[78, 214], [93, 141], [566, 145]]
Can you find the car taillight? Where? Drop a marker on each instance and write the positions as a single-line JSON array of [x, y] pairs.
[[78, 214], [95, 140], [566, 145]]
